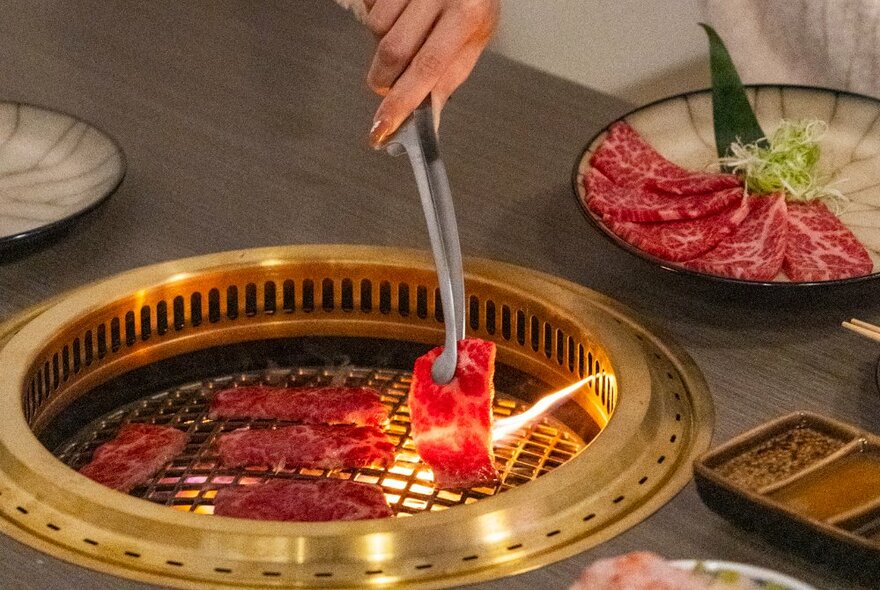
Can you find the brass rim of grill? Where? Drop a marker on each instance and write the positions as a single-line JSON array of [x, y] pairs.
[[543, 325]]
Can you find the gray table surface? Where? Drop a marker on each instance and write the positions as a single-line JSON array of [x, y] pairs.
[[245, 125]]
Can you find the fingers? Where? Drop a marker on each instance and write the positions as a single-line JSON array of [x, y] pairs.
[[431, 62], [454, 77], [400, 45], [383, 14], [426, 46]]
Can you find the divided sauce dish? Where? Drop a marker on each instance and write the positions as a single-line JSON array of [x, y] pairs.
[[804, 481]]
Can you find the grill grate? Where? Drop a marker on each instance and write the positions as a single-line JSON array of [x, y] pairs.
[[191, 480], [91, 351]]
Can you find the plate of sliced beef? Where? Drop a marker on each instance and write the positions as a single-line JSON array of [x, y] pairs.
[[651, 182]]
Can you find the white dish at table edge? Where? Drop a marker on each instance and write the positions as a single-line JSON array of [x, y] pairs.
[[755, 574]]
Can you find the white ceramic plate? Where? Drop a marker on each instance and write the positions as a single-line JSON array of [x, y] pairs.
[[764, 578], [681, 129], [53, 168]]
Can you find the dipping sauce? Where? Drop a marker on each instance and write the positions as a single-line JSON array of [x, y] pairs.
[[779, 457], [845, 484]]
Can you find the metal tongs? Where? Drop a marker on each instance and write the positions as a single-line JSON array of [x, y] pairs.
[[416, 137]]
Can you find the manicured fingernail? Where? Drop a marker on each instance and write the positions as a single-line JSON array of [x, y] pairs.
[[379, 133]]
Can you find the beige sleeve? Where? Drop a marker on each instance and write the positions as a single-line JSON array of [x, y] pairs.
[[356, 6], [832, 43]]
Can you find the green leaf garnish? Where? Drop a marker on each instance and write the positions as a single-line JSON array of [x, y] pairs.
[[789, 162], [732, 114]]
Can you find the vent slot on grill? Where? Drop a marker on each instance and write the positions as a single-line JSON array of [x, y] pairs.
[[257, 301]]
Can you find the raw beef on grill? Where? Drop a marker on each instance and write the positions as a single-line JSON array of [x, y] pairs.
[[134, 456], [312, 405], [303, 500], [451, 424], [629, 161], [820, 247], [640, 204], [317, 446], [681, 240], [756, 249]]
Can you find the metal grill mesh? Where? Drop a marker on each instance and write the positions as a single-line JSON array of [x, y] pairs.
[[191, 480]]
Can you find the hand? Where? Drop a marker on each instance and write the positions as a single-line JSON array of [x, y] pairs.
[[425, 46]]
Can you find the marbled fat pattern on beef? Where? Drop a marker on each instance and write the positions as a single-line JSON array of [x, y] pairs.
[[756, 249], [611, 201], [820, 247], [451, 425], [303, 500], [134, 456], [696, 184], [317, 446], [628, 160], [681, 240], [310, 405], [678, 216]]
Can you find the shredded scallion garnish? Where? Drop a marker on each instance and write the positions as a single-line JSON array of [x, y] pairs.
[[788, 162]]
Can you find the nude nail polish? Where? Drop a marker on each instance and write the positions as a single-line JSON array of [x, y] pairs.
[[379, 133]]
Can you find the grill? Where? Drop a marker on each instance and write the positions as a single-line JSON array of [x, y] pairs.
[[151, 344], [190, 482]]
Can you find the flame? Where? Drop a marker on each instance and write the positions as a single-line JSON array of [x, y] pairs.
[[504, 427]]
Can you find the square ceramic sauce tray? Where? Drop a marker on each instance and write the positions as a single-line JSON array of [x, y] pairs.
[[804, 481]]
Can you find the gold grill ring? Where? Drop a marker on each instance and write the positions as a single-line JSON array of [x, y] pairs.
[[659, 408]]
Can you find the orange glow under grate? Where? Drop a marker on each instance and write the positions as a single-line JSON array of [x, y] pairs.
[[192, 479]]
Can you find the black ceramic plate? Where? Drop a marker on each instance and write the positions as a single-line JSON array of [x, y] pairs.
[[54, 167], [680, 128]]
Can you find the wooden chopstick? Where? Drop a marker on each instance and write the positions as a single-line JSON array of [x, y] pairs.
[[863, 328]]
